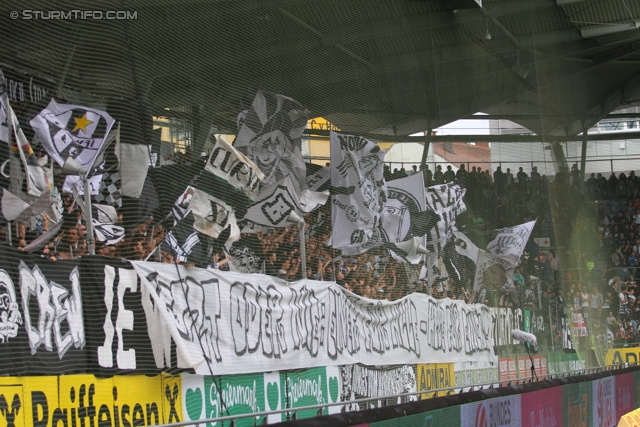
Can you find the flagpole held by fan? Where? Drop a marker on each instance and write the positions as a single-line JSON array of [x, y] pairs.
[[528, 340], [294, 217], [72, 167]]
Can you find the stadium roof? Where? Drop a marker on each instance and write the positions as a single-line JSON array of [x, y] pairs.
[[391, 67]]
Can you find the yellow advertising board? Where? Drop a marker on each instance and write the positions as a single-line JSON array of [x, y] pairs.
[[433, 376], [618, 356], [630, 419], [84, 400]]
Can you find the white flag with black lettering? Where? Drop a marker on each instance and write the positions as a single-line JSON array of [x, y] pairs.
[[360, 193], [230, 165]]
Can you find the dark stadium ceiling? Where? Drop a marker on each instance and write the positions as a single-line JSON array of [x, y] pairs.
[[369, 66]]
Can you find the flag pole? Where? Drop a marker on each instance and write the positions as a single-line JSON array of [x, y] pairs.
[[88, 214], [9, 135], [294, 217], [303, 251]]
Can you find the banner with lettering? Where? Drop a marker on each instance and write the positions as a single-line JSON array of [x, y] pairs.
[[435, 376], [41, 317], [362, 382], [226, 323], [119, 320], [87, 400]]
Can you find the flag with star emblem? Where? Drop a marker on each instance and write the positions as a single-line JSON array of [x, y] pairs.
[[72, 131]]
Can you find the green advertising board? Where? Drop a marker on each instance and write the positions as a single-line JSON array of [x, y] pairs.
[[577, 404], [207, 397], [527, 321], [227, 395], [559, 361], [309, 387], [439, 417]]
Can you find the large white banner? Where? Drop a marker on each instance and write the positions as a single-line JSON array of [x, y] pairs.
[[229, 323]]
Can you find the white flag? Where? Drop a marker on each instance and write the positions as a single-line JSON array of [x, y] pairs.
[[446, 200], [107, 232], [360, 193], [464, 245], [72, 131], [270, 136], [74, 181], [511, 240], [232, 166], [12, 206], [212, 215], [105, 213], [273, 210], [134, 165], [25, 164]]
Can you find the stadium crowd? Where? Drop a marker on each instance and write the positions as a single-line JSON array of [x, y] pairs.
[[606, 295]]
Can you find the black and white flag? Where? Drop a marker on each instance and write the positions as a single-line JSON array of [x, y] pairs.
[[360, 193], [270, 136], [464, 245], [224, 191], [4, 110], [181, 205], [511, 240], [445, 200], [494, 274], [108, 232], [405, 210], [109, 191], [245, 255], [185, 242], [273, 210], [72, 131], [318, 177]]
